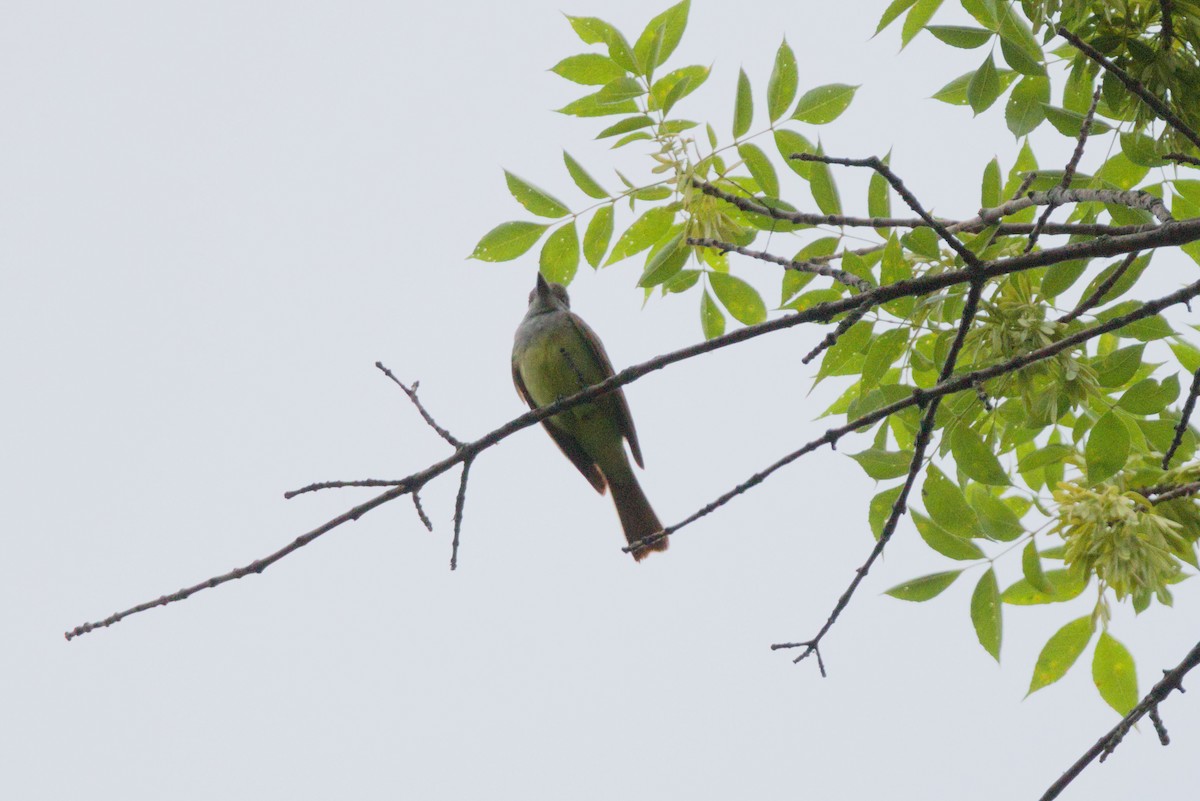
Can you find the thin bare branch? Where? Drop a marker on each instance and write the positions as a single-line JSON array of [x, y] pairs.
[[1182, 157], [1133, 198], [459, 503], [986, 217], [1069, 172], [361, 482], [832, 337], [841, 276], [411, 392], [416, 498], [1098, 294], [1166, 32], [1181, 428], [876, 164], [1172, 680], [1160, 108], [921, 443]]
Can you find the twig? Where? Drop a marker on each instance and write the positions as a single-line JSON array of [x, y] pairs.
[[832, 337], [963, 381], [362, 482], [1166, 33], [1188, 407], [1069, 172], [1171, 681], [841, 276], [1133, 198], [1159, 727], [1182, 157], [412, 396], [900, 505], [1160, 108], [968, 226], [459, 503], [876, 164], [416, 496], [1169, 492], [1098, 294]]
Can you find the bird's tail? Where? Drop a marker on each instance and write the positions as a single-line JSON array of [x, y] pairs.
[[637, 516]]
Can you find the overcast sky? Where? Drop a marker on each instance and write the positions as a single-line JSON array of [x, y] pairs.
[[215, 217]]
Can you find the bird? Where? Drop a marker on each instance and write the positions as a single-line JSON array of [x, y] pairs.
[[556, 354]]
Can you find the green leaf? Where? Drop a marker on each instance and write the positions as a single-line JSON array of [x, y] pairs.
[[998, 521], [743, 108], [597, 236], [712, 321], [1119, 366], [781, 87], [789, 142], [945, 503], [508, 240], [1141, 149], [1146, 397], [673, 21], [621, 89], [925, 587], [893, 11], [535, 200], [1031, 567], [644, 232], [986, 614], [741, 299], [955, 92], [1069, 123], [590, 69], [664, 261], [1068, 584], [590, 29], [984, 87], [676, 85], [984, 12], [626, 125], [881, 508], [824, 104], [560, 255], [1107, 448], [760, 168], [882, 464], [989, 194], [1114, 673], [1026, 105], [879, 196], [963, 36], [584, 181], [975, 458], [1044, 456], [884, 351], [944, 542], [1017, 42], [1060, 652], [920, 14], [824, 190], [594, 105]]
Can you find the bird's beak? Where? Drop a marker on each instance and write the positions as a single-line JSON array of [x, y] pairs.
[[543, 288]]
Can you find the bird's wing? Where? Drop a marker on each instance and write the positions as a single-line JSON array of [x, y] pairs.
[[565, 441], [624, 418]]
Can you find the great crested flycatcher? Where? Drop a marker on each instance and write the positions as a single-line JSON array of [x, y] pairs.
[[556, 354]]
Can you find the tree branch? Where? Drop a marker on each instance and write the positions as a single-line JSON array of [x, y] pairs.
[[1172, 680], [960, 383], [1160, 108], [1175, 233]]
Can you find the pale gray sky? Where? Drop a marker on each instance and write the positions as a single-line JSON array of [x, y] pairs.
[[215, 217]]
